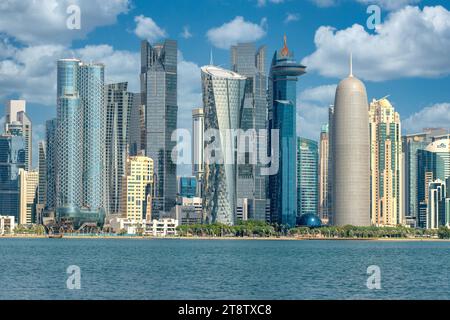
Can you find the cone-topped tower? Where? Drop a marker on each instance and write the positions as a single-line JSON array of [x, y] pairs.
[[351, 153]]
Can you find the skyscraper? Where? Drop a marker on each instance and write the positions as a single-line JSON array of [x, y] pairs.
[[251, 185], [324, 174], [187, 187], [284, 73], [42, 182], [351, 148], [330, 164], [50, 152], [159, 95], [386, 176], [307, 176], [198, 129], [28, 195], [17, 120], [12, 159], [436, 207], [119, 103], [137, 126], [223, 95], [80, 142]]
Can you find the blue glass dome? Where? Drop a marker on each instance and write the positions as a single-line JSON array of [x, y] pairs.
[[309, 220]]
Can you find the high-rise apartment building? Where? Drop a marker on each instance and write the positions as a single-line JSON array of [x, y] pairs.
[[18, 123], [284, 73], [12, 159], [159, 95], [307, 176], [351, 154], [80, 142], [119, 104], [251, 184], [386, 172], [324, 198], [137, 188], [223, 95], [28, 185], [198, 130]]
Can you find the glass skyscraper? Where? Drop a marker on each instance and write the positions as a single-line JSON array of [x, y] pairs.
[[80, 142], [12, 159], [251, 185], [307, 176], [223, 95], [284, 73], [50, 174], [187, 187], [159, 95]]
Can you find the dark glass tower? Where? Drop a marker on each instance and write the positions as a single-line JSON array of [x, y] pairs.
[[159, 95], [284, 73]]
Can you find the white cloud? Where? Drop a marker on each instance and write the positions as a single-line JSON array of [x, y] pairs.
[[262, 3], [434, 116], [186, 34], [45, 22], [312, 109], [324, 3], [235, 31], [389, 4], [290, 17], [147, 29], [410, 43]]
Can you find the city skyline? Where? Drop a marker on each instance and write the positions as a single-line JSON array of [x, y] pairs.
[[194, 52]]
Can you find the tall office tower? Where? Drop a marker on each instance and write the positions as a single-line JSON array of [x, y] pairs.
[[50, 152], [323, 173], [12, 159], [136, 131], [411, 144], [119, 103], [16, 118], [137, 188], [223, 96], [42, 182], [251, 184], [187, 187], [28, 184], [351, 154], [159, 95], [80, 142], [330, 164], [436, 207], [198, 129], [284, 73], [386, 176], [432, 163], [307, 176]]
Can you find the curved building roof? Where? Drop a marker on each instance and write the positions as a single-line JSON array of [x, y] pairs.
[[219, 72], [442, 145]]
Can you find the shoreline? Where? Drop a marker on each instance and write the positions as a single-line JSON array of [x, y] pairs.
[[110, 237]]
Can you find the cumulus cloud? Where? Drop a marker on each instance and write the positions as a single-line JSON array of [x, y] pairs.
[[147, 29], [389, 4], [434, 116], [290, 17], [410, 43], [324, 3], [262, 3], [235, 31], [45, 22], [312, 109]]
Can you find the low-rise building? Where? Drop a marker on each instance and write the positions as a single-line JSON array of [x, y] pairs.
[[127, 226], [162, 227], [7, 225], [189, 210]]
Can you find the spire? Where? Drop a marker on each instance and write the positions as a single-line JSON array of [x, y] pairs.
[[351, 65], [211, 60], [285, 50]]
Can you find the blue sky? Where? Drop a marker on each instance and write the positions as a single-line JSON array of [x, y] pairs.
[[406, 56]]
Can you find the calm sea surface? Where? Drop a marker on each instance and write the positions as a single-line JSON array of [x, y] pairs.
[[222, 269]]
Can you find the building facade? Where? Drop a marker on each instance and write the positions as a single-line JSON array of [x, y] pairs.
[[187, 187], [198, 129], [159, 95], [137, 188], [324, 198], [28, 187], [436, 206], [223, 96], [386, 158], [351, 154], [307, 177], [284, 73], [251, 184]]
